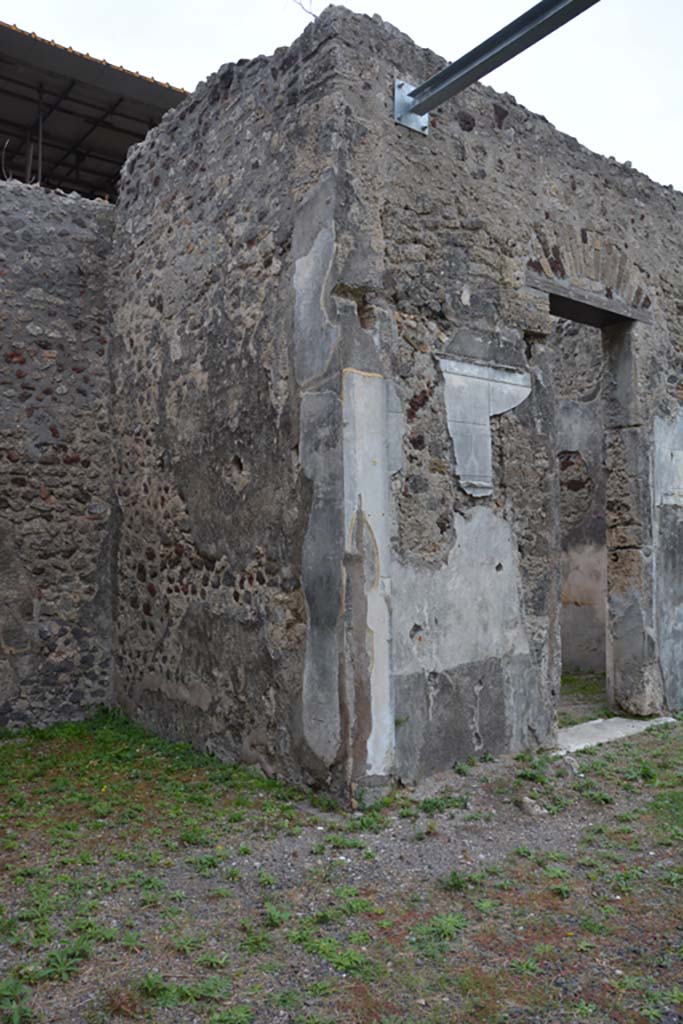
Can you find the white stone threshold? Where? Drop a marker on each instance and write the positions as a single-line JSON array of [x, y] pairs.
[[602, 730]]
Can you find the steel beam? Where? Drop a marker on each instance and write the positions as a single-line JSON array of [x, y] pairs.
[[416, 101], [16, 130], [97, 108], [75, 146], [36, 122]]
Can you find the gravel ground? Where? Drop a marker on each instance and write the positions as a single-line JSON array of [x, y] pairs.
[[141, 881]]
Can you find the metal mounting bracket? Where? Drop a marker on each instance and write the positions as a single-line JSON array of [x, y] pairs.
[[413, 102], [402, 105]]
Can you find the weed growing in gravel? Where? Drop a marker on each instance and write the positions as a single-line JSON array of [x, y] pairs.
[[61, 963], [168, 994], [206, 864], [324, 802], [255, 940], [528, 966], [187, 944], [534, 768], [274, 916], [344, 842], [445, 802], [290, 999], [213, 961], [13, 1001], [432, 938], [458, 882], [348, 961]]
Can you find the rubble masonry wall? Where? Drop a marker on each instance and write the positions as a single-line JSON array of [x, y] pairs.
[[56, 514]]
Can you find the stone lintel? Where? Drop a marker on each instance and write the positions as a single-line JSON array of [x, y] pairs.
[[585, 307]]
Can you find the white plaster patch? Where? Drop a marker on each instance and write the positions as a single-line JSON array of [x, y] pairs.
[[469, 610], [367, 414], [668, 457], [474, 393], [316, 336]]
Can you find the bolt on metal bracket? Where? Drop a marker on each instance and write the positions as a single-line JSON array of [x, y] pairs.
[[402, 107]]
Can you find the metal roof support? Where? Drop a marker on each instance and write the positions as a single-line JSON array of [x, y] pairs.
[[76, 169], [79, 142], [50, 110], [15, 130], [55, 103], [413, 103], [29, 157], [56, 106], [40, 133]]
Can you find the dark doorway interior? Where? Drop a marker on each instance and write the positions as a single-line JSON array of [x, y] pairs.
[[606, 547], [578, 369]]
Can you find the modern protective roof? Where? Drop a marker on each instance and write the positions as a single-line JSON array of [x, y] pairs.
[[92, 112]]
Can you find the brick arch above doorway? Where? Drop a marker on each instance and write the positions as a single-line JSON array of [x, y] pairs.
[[589, 278]]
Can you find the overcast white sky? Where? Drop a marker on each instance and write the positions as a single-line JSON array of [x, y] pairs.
[[613, 77]]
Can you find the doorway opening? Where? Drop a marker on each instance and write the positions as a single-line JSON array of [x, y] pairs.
[[578, 361], [603, 445]]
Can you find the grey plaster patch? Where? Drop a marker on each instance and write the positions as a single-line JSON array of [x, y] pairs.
[[316, 336], [503, 347], [466, 611], [396, 425], [669, 580], [668, 458], [322, 557], [465, 679], [475, 393], [450, 715], [634, 680]]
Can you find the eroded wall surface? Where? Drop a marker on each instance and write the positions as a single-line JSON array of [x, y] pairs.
[[56, 523]]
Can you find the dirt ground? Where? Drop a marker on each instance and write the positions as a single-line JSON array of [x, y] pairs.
[[142, 881]]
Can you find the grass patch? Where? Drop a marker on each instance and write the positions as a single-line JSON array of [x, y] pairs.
[[582, 698]]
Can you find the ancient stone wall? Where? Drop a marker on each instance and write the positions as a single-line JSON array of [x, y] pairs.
[[336, 416], [220, 422], [56, 522]]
